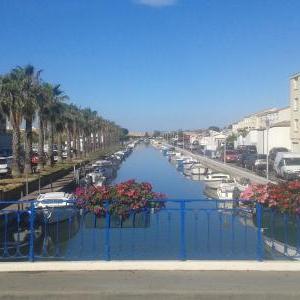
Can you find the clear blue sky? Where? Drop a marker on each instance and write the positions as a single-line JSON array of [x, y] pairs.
[[164, 64]]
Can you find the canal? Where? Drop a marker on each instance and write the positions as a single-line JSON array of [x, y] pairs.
[[208, 233]]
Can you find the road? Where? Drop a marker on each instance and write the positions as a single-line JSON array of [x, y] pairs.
[[150, 285]]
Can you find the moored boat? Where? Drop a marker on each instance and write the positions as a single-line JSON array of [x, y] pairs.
[[213, 180], [55, 207]]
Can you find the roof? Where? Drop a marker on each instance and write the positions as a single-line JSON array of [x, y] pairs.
[[282, 124], [295, 75]]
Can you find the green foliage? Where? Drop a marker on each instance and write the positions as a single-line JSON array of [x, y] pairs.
[[231, 138], [214, 128]]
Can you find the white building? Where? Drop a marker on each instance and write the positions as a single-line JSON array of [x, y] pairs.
[[278, 134], [259, 120], [213, 140]]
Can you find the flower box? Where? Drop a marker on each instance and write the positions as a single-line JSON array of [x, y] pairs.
[[128, 204], [135, 220]]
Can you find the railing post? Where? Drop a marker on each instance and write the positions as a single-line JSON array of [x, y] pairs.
[[107, 232], [182, 254], [32, 232], [259, 243], [39, 183]]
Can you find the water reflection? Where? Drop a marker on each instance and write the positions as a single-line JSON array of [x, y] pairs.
[[206, 231]]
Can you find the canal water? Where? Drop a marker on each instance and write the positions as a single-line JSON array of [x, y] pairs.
[[203, 232], [207, 232]]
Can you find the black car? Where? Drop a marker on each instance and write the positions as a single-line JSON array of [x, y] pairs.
[[249, 160], [243, 152]]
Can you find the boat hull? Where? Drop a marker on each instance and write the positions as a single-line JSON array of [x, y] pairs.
[[52, 215]]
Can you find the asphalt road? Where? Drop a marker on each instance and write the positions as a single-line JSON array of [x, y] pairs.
[[154, 285]]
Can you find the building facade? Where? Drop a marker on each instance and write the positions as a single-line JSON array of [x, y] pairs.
[[295, 112]]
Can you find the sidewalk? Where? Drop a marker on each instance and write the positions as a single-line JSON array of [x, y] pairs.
[[154, 285], [63, 184]]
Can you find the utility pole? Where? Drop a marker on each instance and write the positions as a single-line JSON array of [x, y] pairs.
[[267, 127], [225, 151]]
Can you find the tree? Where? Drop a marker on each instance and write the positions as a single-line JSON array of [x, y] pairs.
[[23, 95], [30, 84], [53, 109], [214, 128], [231, 138], [12, 104]]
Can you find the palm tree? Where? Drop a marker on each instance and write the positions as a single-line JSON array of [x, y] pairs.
[[52, 110], [69, 126], [59, 130], [44, 97], [30, 79], [2, 114], [12, 104]]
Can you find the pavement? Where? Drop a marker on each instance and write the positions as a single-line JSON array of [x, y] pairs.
[[154, 285], [65, 184]]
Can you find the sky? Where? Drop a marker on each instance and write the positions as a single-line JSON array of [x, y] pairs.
[[159, 64]]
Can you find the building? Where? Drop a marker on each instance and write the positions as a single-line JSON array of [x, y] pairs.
[[295, 112], [259, 120], [136, 134]]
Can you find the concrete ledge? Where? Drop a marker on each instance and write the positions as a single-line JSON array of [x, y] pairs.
[[281, 266]]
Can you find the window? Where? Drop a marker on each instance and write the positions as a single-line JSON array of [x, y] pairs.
[[296, 125], [296, 104], [295, 83]]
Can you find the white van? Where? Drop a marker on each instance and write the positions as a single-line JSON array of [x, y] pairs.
[[287, 165], [5, 166]]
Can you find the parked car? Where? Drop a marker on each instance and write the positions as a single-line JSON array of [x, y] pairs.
[[287, 165], [230, 156], [273, 152], [249, 161], [241, 157], [5, 166], [251, 149], [243, 152], [256, 162], [260, 162]]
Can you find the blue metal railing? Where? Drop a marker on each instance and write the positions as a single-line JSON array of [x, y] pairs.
[[182, 229]]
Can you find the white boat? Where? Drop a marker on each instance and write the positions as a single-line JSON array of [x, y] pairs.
[[175, 156], [225, 190], [102, 163], [198, 169], [55, 207], [95, 178], [189, 161], [170, 153], [213, 180]]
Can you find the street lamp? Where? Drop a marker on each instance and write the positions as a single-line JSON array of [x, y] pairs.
[[225, 151], [267, 127]]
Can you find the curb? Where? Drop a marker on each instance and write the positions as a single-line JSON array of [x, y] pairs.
[[51, 266]]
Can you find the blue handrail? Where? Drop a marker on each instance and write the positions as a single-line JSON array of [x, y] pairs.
[[182, 229]]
